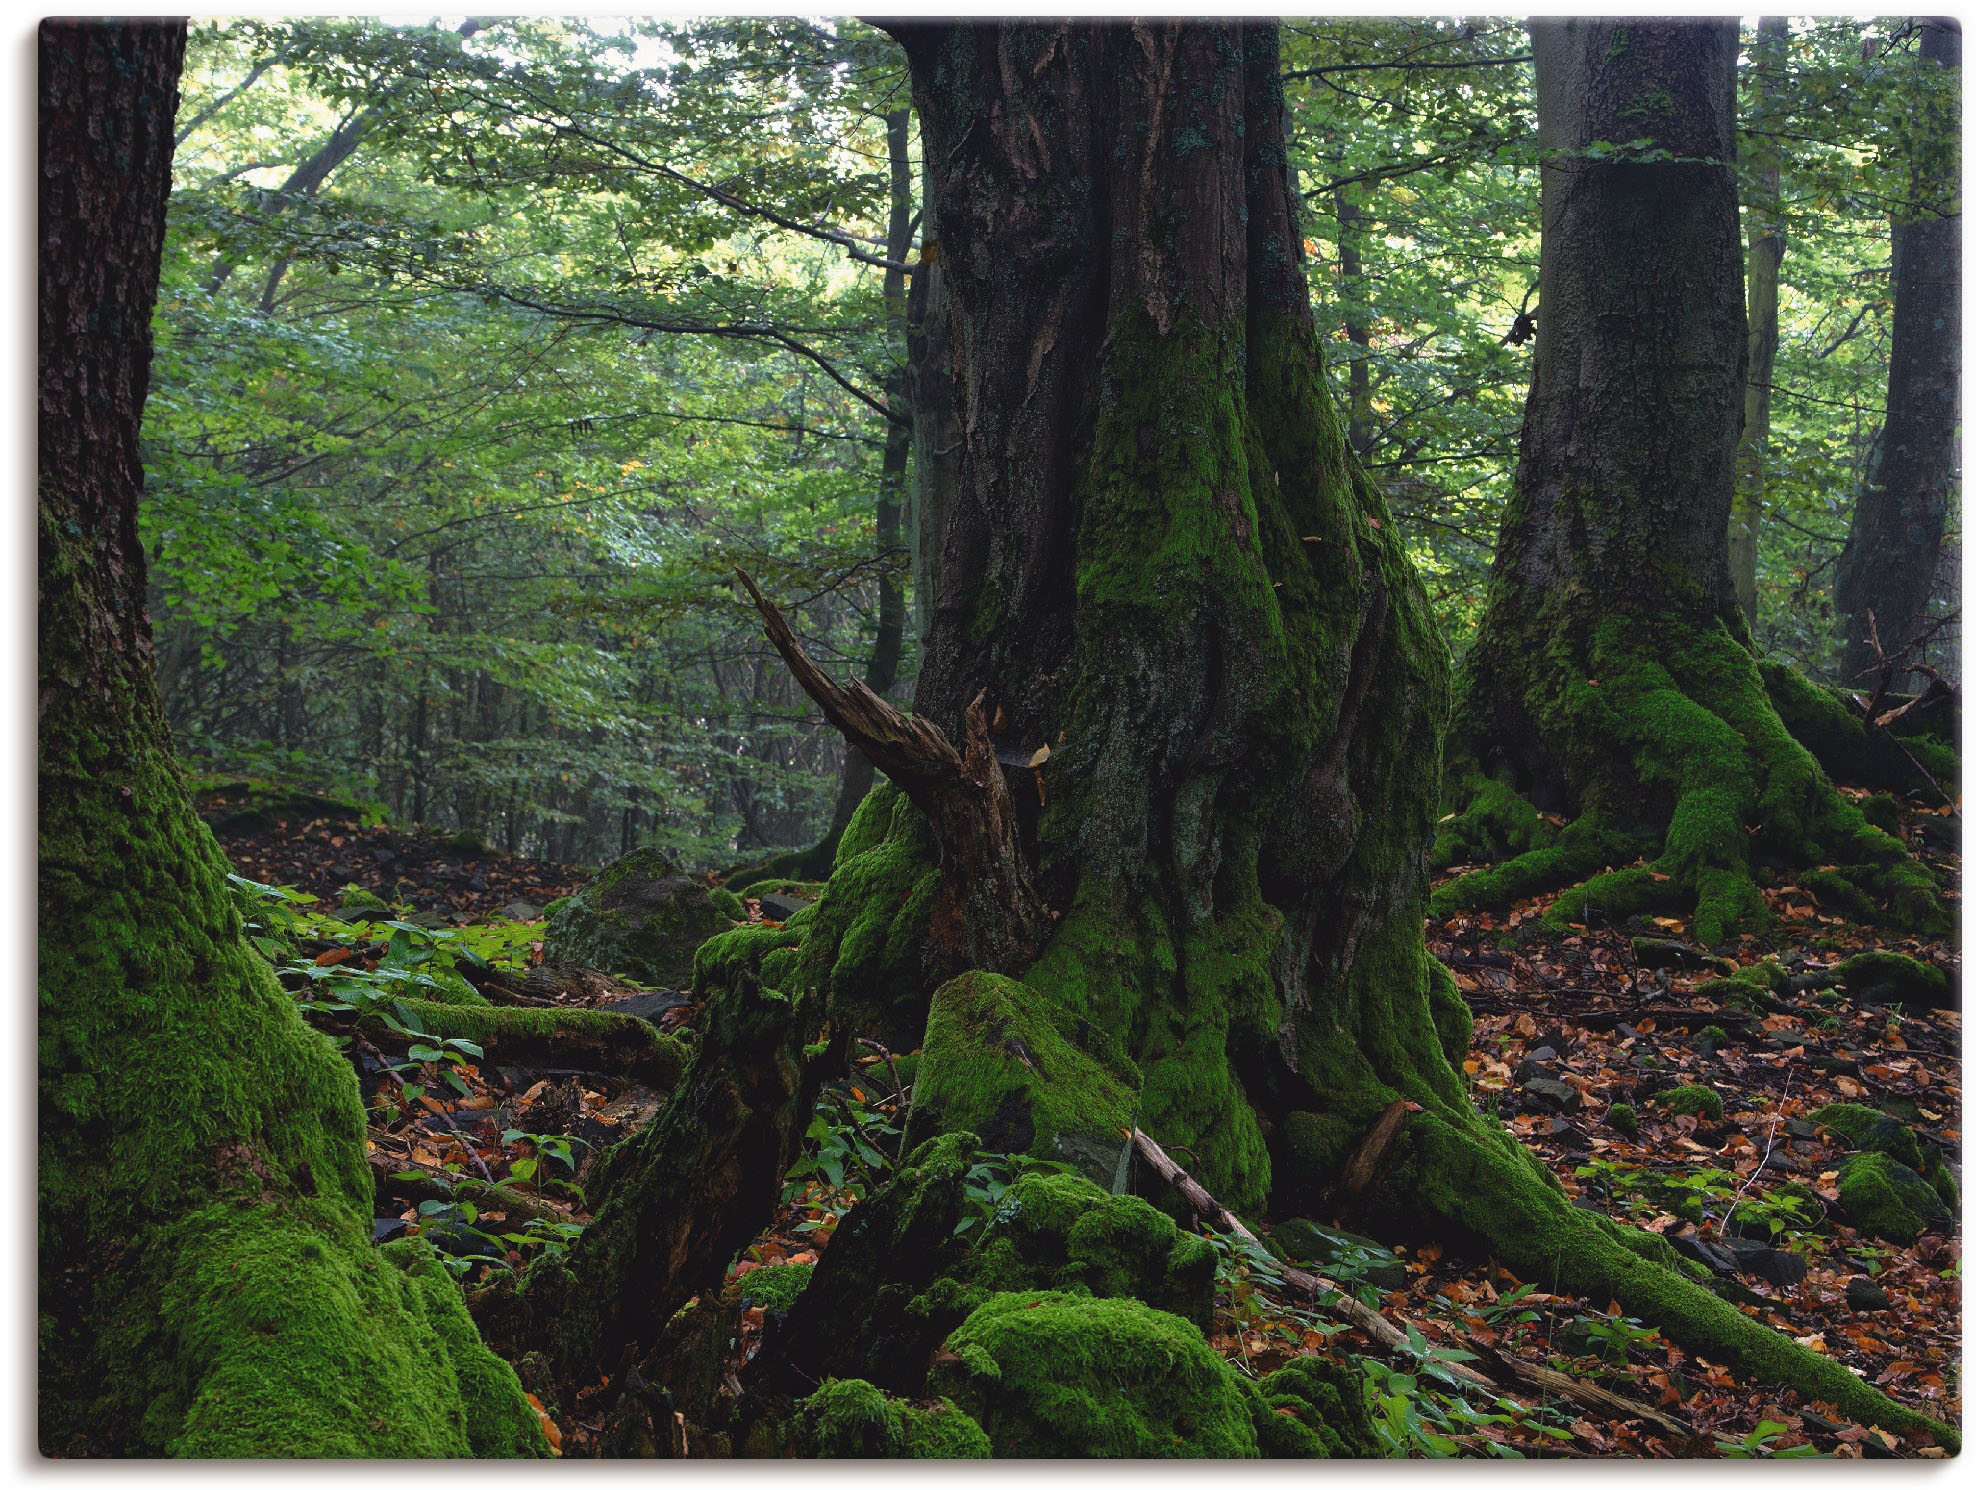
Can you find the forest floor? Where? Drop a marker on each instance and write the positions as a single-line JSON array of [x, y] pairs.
[[1565, 1030]]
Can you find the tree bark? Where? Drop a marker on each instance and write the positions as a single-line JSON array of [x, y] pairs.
[[207, 1283], [1766, 238], [1612, 675], [1895, 539]]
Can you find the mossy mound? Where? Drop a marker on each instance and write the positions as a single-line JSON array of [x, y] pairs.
[[1692, 1101], [1622, 1119], [728, 903], [1889, 1200], [1494, 823], [1894, 977], [641, 918], [855, 1420], [1059, 1375], [1847, 750], [797, 889], [1865, 1129], [774, 1286], [238, 805], [1058, 1231], [1314, 1408], [1028, 1077]]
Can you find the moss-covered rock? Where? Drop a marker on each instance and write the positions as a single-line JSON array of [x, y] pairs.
[[855, 1420], [640, 919], [1692, 1101], [1893, 976], [1863, 1128], [1314, 1408], [728, 903], [1028, 1077], [1888, 1199], [1622, 1119], [1057, 1375]]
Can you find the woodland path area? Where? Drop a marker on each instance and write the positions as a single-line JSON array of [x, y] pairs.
[[1566, 1030]]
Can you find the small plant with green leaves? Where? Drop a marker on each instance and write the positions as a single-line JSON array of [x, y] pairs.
[[1757, 1444], [987, 1184], [845, 1152]]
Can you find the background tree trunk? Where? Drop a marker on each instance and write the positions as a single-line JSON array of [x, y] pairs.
[[1765, 232], [1612, 674], [207, 1280], [1898, 528]]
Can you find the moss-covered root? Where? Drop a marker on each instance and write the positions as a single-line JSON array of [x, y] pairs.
[[585, 1039], [1485, 820], [677, 1200], [1475, 1179], [1060, 1375], [291, 1337], [1678, 723]]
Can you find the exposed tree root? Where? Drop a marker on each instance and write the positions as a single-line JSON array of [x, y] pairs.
[[554, 1039]]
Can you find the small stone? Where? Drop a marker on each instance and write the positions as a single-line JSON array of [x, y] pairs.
[[1782, 1162], [1555, 1095], [1542, 1053], [521, 910], [1761, 1261], [1710, 1255], [780, 907], [1865, 1295], [648, 1006], [1800, 1128], [384, 1228]]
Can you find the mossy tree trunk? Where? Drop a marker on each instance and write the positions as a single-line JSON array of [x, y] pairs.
[[1163, 564], [1612, 675], [1765, 231], [207, 1280], [1897, 533]]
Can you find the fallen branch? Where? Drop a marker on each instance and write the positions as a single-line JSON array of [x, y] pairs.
[[1377, 1327]]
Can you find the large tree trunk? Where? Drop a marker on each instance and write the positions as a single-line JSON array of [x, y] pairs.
[[1766, 235], [1612, 674], [208, 1284], [1175, 608], [1890, 563]]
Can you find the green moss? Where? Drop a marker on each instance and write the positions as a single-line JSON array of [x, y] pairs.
[[1904, 977], [1314, 1408], [1063, 1233], [1621, 1118], [1494, 823], [1454, 1025], [1864, 1128], [639, 919], [1000, 1060], [855, 1420], [721, 959], [774, 1286], [797, 889], [729, 904], [1585, 846], [1834, 732], [357, 898], [1888, 1199], [1692, 1101], [1057, 1375]]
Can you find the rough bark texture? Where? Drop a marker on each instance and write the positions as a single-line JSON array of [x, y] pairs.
[[1612, 675], [1765, 232], [207, 1280], [1898, 528]]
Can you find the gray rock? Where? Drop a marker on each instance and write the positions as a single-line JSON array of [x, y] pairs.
[[1757, 1260], [1709, 1254], [648, 1006], [521, 910], [1866, 1295], [1555, 1095], [639, 919], [781, 907]]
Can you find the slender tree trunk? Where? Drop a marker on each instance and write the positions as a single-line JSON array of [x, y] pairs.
[[1766, 237], [1897, 533], [937, 432], [207, 1280], [1353, 305]]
